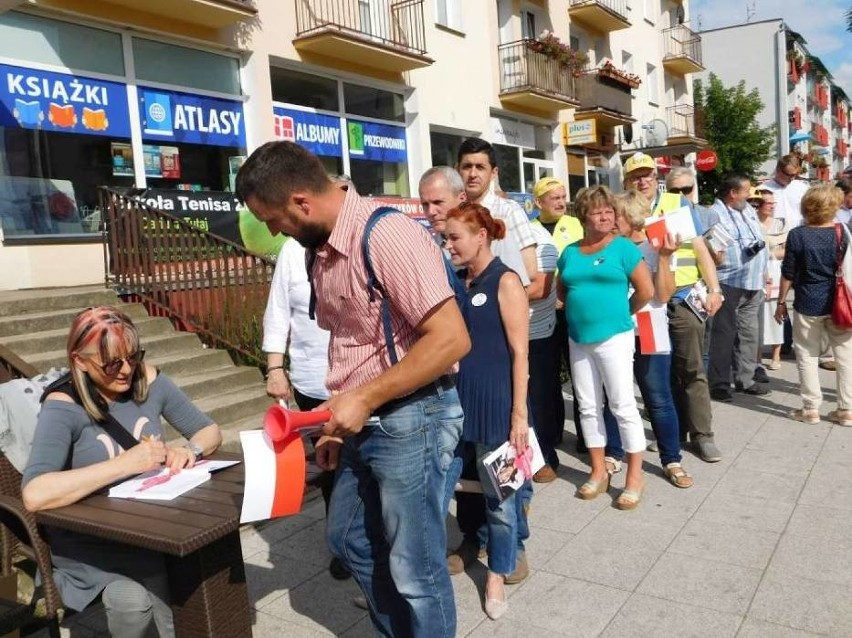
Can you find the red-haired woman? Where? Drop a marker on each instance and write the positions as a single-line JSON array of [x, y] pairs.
[[73, 455], [492, 381]]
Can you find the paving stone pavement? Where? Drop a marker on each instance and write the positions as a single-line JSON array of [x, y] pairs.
[[760, 546]]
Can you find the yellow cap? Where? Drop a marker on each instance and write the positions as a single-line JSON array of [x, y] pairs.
[[639, 160], [545, 185]]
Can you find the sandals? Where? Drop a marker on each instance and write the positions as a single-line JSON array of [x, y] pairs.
[[629, 499], [808, 416], [677, 475], [591, 489], [613, 465], [841, 417], [773, 365]]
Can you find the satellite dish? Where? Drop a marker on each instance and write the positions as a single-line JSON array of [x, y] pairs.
[[656, 132]]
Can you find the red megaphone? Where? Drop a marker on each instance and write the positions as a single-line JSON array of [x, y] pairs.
[[279, 423]]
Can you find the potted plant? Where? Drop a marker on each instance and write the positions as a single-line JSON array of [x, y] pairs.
[[550, 46], [609, 70]]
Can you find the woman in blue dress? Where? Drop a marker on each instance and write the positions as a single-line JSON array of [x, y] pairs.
[[493, 376]]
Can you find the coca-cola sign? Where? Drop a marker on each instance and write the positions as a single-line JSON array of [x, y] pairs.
[[706, 161]]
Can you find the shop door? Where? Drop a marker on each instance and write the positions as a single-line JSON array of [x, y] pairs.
[[534, 170]]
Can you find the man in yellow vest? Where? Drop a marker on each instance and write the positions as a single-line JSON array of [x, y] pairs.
[[694, 262]]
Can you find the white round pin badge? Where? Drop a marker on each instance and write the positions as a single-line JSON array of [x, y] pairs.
[[479, 299]]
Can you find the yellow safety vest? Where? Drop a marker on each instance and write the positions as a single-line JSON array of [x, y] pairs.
[[567, 230], [687, 272]]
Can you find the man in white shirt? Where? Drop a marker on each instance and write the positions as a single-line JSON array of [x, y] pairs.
[[844, 213], [788, 191]]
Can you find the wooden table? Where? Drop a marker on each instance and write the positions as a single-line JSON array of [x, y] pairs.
[[198, 533]]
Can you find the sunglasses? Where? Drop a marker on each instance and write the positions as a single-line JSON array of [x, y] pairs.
[[112, 368], [681, 190]]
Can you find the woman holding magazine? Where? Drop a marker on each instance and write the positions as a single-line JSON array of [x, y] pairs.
[[492, 382], [99, 425]]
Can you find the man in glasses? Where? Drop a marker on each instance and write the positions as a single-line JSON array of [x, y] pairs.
[[788, 191], [694, 261]]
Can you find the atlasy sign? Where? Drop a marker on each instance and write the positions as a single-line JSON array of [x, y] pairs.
[[61, 102], [376, 142], [193, 119], [320, 134]]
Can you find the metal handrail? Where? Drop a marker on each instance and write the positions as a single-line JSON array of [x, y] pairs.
[[685, 119], [618, 7], [680, 41], [522, 68], [13, 367], [399, 25], [205, 282]]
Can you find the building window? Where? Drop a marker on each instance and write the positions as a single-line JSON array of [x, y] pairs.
[[651, 82], [367, 101], [448, 14], [650, 10], [60, 44], [303, 89], [171, 64], [528, 26]]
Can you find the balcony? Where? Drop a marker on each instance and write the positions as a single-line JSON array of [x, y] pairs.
[[603, 99], [686, 126], [603, 16], [530, 80], [213, 14], [386, 35], [681, 50]]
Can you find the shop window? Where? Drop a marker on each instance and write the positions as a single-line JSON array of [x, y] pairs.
[[304, 89], [445, 148], [180, 66], [374, 178], [49, 181], [369, 102], [510, 170], [26, 37]]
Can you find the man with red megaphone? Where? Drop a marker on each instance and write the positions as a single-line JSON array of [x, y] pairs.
[[386, 518]]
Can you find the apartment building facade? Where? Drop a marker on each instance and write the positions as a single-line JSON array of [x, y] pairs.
[[810, 112], [170, 96]]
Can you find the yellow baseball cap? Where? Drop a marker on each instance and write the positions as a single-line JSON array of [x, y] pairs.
[[639, 160], [545, 185]]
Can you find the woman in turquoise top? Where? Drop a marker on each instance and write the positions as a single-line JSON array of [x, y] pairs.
[[595, 275]]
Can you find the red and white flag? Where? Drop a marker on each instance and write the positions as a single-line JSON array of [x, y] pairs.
[[275, 476], [652, 325]]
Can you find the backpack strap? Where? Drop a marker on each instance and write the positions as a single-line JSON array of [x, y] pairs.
[[310, 260], [110, 423], [373, 284]]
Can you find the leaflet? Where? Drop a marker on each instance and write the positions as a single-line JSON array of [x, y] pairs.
[[678, 223], [162, 485]]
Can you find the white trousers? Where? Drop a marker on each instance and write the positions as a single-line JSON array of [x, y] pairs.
[[810, 336], [607, 365]]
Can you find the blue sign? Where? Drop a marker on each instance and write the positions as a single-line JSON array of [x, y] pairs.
[[379, 142], [62, 102], [320, 134], [193, 119], [527, 202]]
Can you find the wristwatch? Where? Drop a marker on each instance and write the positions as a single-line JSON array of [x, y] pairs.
[[196, 449]]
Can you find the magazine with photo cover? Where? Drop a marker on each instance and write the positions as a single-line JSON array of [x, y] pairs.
[[696, 299], [717, 238], [507, 471]]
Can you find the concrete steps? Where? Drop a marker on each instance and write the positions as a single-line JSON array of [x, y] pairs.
[[34, 325]]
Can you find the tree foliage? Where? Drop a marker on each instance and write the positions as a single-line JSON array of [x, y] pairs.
[[732, 130]]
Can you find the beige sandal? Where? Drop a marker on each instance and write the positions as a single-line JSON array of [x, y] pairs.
[[613, 465], [677, 475], [806, 416], [591, 489], [629, 499], [841, 417]]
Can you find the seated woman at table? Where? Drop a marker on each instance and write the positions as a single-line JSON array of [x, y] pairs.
[[73, 455]]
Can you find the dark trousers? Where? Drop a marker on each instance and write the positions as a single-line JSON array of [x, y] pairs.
[[561, 333], [544, 389], [689, 377], [326, 478], [735, 338]]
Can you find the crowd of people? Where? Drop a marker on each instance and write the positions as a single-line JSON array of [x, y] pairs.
[[434, 349]]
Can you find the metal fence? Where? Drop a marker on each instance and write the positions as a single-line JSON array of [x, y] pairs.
[[523, 69], [618, 7], [205, 282], [685, 120], [395, 24]]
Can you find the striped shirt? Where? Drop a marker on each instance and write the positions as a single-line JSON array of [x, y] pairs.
[[517, 223], [739, 269], [543, 311], [407, 262]]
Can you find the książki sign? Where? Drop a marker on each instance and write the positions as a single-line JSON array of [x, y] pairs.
[[61, 102]]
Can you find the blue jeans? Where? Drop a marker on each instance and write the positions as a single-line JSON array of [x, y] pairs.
[[653, 376], [501, 521], [386, 518]]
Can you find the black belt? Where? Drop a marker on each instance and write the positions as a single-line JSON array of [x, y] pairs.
[[445, 382]]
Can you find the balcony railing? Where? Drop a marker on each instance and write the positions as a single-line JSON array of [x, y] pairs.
[[685, 121], [395, 24], [611, 99], [535, 78], [682, 49], [603, 15]]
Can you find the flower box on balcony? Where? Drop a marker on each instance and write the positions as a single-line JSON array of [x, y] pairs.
[[610, 72], [550, 46]]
